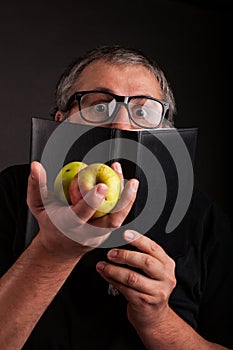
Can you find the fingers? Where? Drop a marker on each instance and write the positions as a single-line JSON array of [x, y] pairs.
[[127, 278], [155, 285], [122, 209], [74, 191], [37, 187], [146, 245], [136, 288], [128, 196], [150, 265], [117, 168], [87, 206], [151, 259]]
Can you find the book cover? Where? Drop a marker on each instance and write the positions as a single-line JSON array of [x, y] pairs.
[[161, 159]]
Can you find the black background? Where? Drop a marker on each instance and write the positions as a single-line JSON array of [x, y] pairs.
[[191, 41]]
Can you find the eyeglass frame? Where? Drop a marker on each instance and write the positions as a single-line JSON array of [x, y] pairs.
[[77, 96]]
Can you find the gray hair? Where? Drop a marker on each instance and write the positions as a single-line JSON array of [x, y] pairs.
[[117, 55]]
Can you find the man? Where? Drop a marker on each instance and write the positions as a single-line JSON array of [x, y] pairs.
[[53, 293]]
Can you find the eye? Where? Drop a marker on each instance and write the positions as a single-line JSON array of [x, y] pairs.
[[98, 111], [140, 112], [101, 108]]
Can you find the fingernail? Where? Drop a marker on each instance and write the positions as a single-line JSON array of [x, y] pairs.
[[134, 185], [101, 266], [112, 253], [101, 190], [32, 172], [117, 167], [129, 235]]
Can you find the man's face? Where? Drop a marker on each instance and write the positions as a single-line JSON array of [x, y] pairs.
[[126, 80]]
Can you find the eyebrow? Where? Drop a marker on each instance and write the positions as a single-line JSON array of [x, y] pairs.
[[103, 89], [100, 88]]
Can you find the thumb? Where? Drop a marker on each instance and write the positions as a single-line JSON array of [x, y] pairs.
[[37, 187]]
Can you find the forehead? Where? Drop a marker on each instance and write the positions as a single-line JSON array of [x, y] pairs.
[[122, 79]]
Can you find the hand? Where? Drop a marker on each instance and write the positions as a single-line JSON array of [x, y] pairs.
[[148, 291], [69, 230]]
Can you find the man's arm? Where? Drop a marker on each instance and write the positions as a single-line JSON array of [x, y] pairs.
[[29, 286], [174, 333], [27, 289]]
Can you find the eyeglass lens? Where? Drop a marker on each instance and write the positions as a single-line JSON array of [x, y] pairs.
[[97, 107]]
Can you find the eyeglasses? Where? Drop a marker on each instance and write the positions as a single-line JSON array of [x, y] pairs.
[[98, 107]]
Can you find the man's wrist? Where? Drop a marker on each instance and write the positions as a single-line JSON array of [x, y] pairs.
[[56, 252], [158, 329]]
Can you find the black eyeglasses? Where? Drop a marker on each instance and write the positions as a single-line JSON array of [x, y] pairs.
[[98, 107]]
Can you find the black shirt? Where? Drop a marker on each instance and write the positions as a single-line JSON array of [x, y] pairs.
[[83, 316]]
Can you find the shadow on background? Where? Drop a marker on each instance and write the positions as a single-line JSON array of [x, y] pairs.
[[189, 39]]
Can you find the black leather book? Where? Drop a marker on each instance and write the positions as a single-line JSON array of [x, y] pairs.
[[161, 159]]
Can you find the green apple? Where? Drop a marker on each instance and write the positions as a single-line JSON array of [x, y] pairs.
[[64, 178], [96, 173]]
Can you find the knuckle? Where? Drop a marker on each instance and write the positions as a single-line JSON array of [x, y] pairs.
[[153, 246], [77, 219], [123, 255], [148, 261], [162, 294], [131, 278], [172, 264], [169, 276], [114, 223], [108, 270], [146, 299], [173, 282]]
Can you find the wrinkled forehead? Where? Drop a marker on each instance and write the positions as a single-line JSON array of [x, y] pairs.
[[123, 79]]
